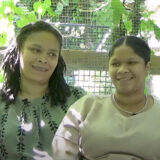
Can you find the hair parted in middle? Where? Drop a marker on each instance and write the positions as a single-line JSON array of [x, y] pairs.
[[139, 46]]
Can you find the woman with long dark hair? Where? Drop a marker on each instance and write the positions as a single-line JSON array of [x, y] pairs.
[[34, 96]]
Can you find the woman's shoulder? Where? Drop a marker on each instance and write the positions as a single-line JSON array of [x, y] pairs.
[[77, 92], [89, 103], [1, 92], [95, 98], [3, 104]]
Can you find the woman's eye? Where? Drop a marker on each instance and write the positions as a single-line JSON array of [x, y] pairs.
[[35, 50], [52, 54], [115, 64], [132, 62]]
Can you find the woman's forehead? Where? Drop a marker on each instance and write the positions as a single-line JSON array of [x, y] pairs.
[[124, 52]]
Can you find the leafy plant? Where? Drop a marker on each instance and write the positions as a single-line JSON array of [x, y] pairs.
[[18, 14], [120, 17], [126, 18]]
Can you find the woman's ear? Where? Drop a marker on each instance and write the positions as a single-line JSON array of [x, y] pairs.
[[148, 68]]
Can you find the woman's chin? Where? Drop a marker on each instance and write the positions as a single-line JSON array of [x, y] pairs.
[[41, 81], [125, 90]]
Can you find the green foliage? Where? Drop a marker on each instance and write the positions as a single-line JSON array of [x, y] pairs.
[[30, 17], [11, 13], [156, 31], [110, 14], [113, 14], [37, 6], [20, 15], [42, 7], [65, 2], [3, 39], [75, 1], [105, 17], [147, 25], [125, 21], [59, 8], [118, 11]]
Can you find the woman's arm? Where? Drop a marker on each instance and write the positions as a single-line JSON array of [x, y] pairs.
[[66, 141]]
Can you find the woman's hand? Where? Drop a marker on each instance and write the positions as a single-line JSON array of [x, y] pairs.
[[41, 155], [64, 149]]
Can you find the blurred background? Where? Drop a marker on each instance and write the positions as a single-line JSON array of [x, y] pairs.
[[89, 28]]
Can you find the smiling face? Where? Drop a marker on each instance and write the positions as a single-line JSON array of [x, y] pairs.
[[128, 70], [39, 57]]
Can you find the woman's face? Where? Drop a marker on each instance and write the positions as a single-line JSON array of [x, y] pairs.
[[128, 70], [39, 57]]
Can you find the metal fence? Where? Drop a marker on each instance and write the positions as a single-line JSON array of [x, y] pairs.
[[84, 29]]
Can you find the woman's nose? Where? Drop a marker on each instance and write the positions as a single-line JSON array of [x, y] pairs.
[[123, 68], [42, 59]]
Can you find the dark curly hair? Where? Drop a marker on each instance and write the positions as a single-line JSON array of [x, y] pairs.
[[58, 88]]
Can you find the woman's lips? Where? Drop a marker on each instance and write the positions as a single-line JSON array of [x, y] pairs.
[[40, 69], [124, 78]]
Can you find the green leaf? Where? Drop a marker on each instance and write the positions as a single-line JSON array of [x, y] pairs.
[[157, 31], [51, 12], [147, 14], [47, 3], [127, 22], [10, 17], [9, 4], [44, 9], [40, 7], [118, 10], [3, 39], [105, 16], [152, 52], [75, 1], [31, 17], [147, 25], [128, 25], [37, 5], [59, 8], [22, 22], [2, 9], [65, 2], [19, 11]]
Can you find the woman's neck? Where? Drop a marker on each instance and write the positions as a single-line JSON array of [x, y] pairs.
[[32, 90], [131, 103]]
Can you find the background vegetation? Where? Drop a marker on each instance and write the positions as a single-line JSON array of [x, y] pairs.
[[86, 25], [121, 17]]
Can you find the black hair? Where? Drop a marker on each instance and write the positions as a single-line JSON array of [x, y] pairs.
[[58, 88], [139, 46]]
